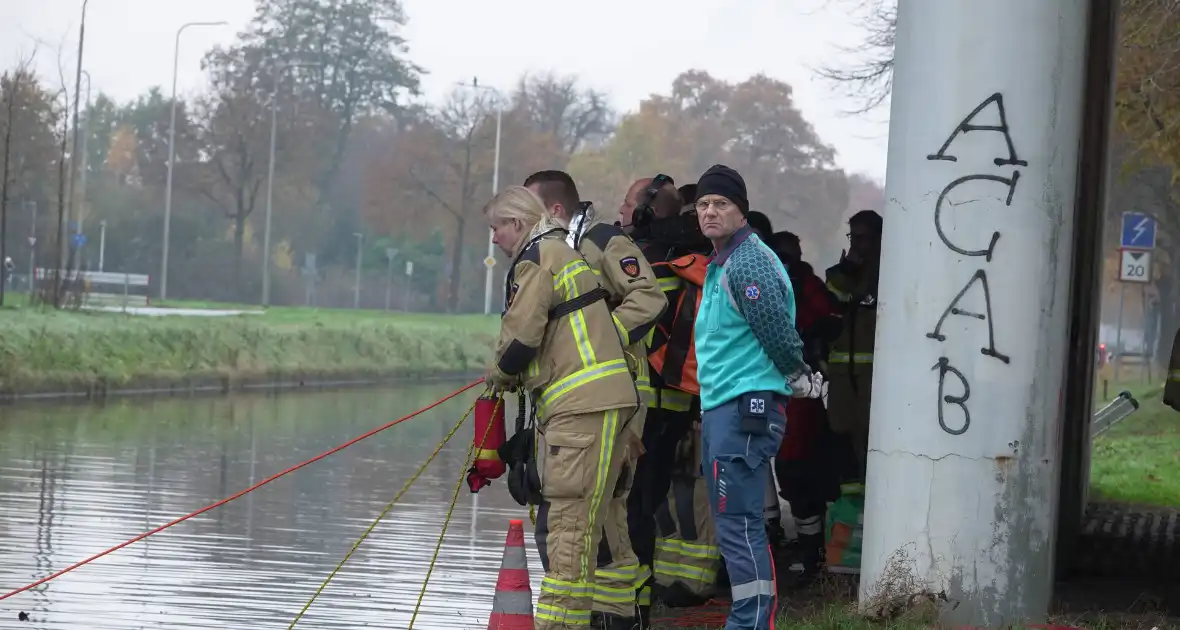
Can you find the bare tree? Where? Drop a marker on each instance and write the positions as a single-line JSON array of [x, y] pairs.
[[868, 79], [11, 85]]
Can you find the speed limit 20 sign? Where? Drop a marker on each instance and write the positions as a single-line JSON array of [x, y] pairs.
[[1135, 265]]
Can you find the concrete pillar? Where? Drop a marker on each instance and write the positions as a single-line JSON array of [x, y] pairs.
[[973, 307]]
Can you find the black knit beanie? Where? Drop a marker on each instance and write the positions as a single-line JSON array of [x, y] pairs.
[[724, 181]]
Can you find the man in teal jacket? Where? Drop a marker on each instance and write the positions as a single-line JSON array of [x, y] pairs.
[[749, 360]]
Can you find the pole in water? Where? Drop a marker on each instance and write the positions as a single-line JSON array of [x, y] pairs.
[[963, 463]]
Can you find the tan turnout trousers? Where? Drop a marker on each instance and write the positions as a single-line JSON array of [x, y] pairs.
[[686, 547], [619, 578], [582, 461]]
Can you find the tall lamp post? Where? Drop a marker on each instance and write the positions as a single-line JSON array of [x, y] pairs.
[[172, 155], [270, 176], [490, 260]]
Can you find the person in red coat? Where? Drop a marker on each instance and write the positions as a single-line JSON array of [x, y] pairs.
[[804, 478]]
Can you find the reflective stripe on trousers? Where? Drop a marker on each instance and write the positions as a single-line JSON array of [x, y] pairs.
[[860, 358], [735, 465], [579, 470]]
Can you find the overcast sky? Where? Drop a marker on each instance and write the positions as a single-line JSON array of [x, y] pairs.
[[624, 49]]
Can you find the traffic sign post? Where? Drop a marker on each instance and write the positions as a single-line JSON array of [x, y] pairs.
[[1134, 265], [1138, 231], [78, 240], [489, 262], [409, 284]]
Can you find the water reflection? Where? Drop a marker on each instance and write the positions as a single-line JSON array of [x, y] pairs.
[[75, 480]]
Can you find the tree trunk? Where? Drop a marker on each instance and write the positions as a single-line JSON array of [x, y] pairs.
[[4, 192], [456, 264], [239, 252]]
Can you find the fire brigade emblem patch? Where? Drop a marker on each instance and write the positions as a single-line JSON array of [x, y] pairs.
[[630, 266], [752, 292]]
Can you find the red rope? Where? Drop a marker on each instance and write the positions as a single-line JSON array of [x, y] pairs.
[[242, 493]]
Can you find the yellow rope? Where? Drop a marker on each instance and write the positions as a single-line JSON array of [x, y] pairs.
[[388, 507], [450, 511]]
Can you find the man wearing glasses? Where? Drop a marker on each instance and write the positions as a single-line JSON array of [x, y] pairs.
[[749, 360], [853, 285]]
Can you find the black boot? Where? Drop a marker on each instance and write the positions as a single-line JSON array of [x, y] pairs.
[[618, 622], [678, 596]]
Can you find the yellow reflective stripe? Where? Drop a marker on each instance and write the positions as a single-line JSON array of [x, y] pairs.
[[684, 571], [647, 339], [842, 296], [622, 330], [534, 369], [487, 453], [565, 281], [606, 446], [675, 400], [613, 594], [567, 273], [645, 596], [670, 284], [1176, 375], [559, 615], [565, 588], [578, 379], [694, 550], [634, 574], [582, 337], [860, 358]]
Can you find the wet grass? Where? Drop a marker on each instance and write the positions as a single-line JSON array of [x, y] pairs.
[[1138, 460], [829, 604], [43, 348]]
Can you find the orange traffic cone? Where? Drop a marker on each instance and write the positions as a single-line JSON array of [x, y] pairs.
[[512, 608]]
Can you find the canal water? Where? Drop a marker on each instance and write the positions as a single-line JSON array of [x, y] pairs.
[[75, 480]]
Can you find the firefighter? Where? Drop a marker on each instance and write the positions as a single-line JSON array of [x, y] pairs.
[[853, 285], [673, 520], [804, 475], [1172, 386], [749, 360], [636, 304], [559, 342]]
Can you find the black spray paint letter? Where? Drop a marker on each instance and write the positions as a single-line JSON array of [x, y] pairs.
[[980, 276], [944, 367], [965, 126]]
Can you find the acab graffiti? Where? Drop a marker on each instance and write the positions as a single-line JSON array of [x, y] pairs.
[[944, 366]]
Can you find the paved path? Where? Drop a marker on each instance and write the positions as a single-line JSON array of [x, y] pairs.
[[156, 311]]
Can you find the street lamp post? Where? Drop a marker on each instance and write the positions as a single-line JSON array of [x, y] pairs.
[[488, 279], [270, 177], [356, 290], [102, 243], [172, 155]]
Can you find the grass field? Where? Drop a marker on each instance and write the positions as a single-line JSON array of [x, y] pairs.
[[1138, 460], [43, 349]]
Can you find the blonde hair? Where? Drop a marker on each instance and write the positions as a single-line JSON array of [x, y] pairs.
[[521, 204]]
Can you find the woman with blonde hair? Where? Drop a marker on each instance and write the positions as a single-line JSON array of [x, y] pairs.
[[558, 341]]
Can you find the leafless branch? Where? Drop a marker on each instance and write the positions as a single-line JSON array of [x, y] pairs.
[[869, 79]]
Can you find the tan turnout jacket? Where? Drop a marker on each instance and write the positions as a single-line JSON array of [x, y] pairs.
[[570, 363]]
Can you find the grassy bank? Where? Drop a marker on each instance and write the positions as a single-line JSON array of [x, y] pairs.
[[43, 350], [1138, 460]]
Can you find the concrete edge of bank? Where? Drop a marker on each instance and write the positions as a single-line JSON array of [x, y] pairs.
[[219, 384]]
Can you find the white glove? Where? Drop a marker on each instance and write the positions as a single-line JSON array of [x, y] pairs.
[[810, 385]]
